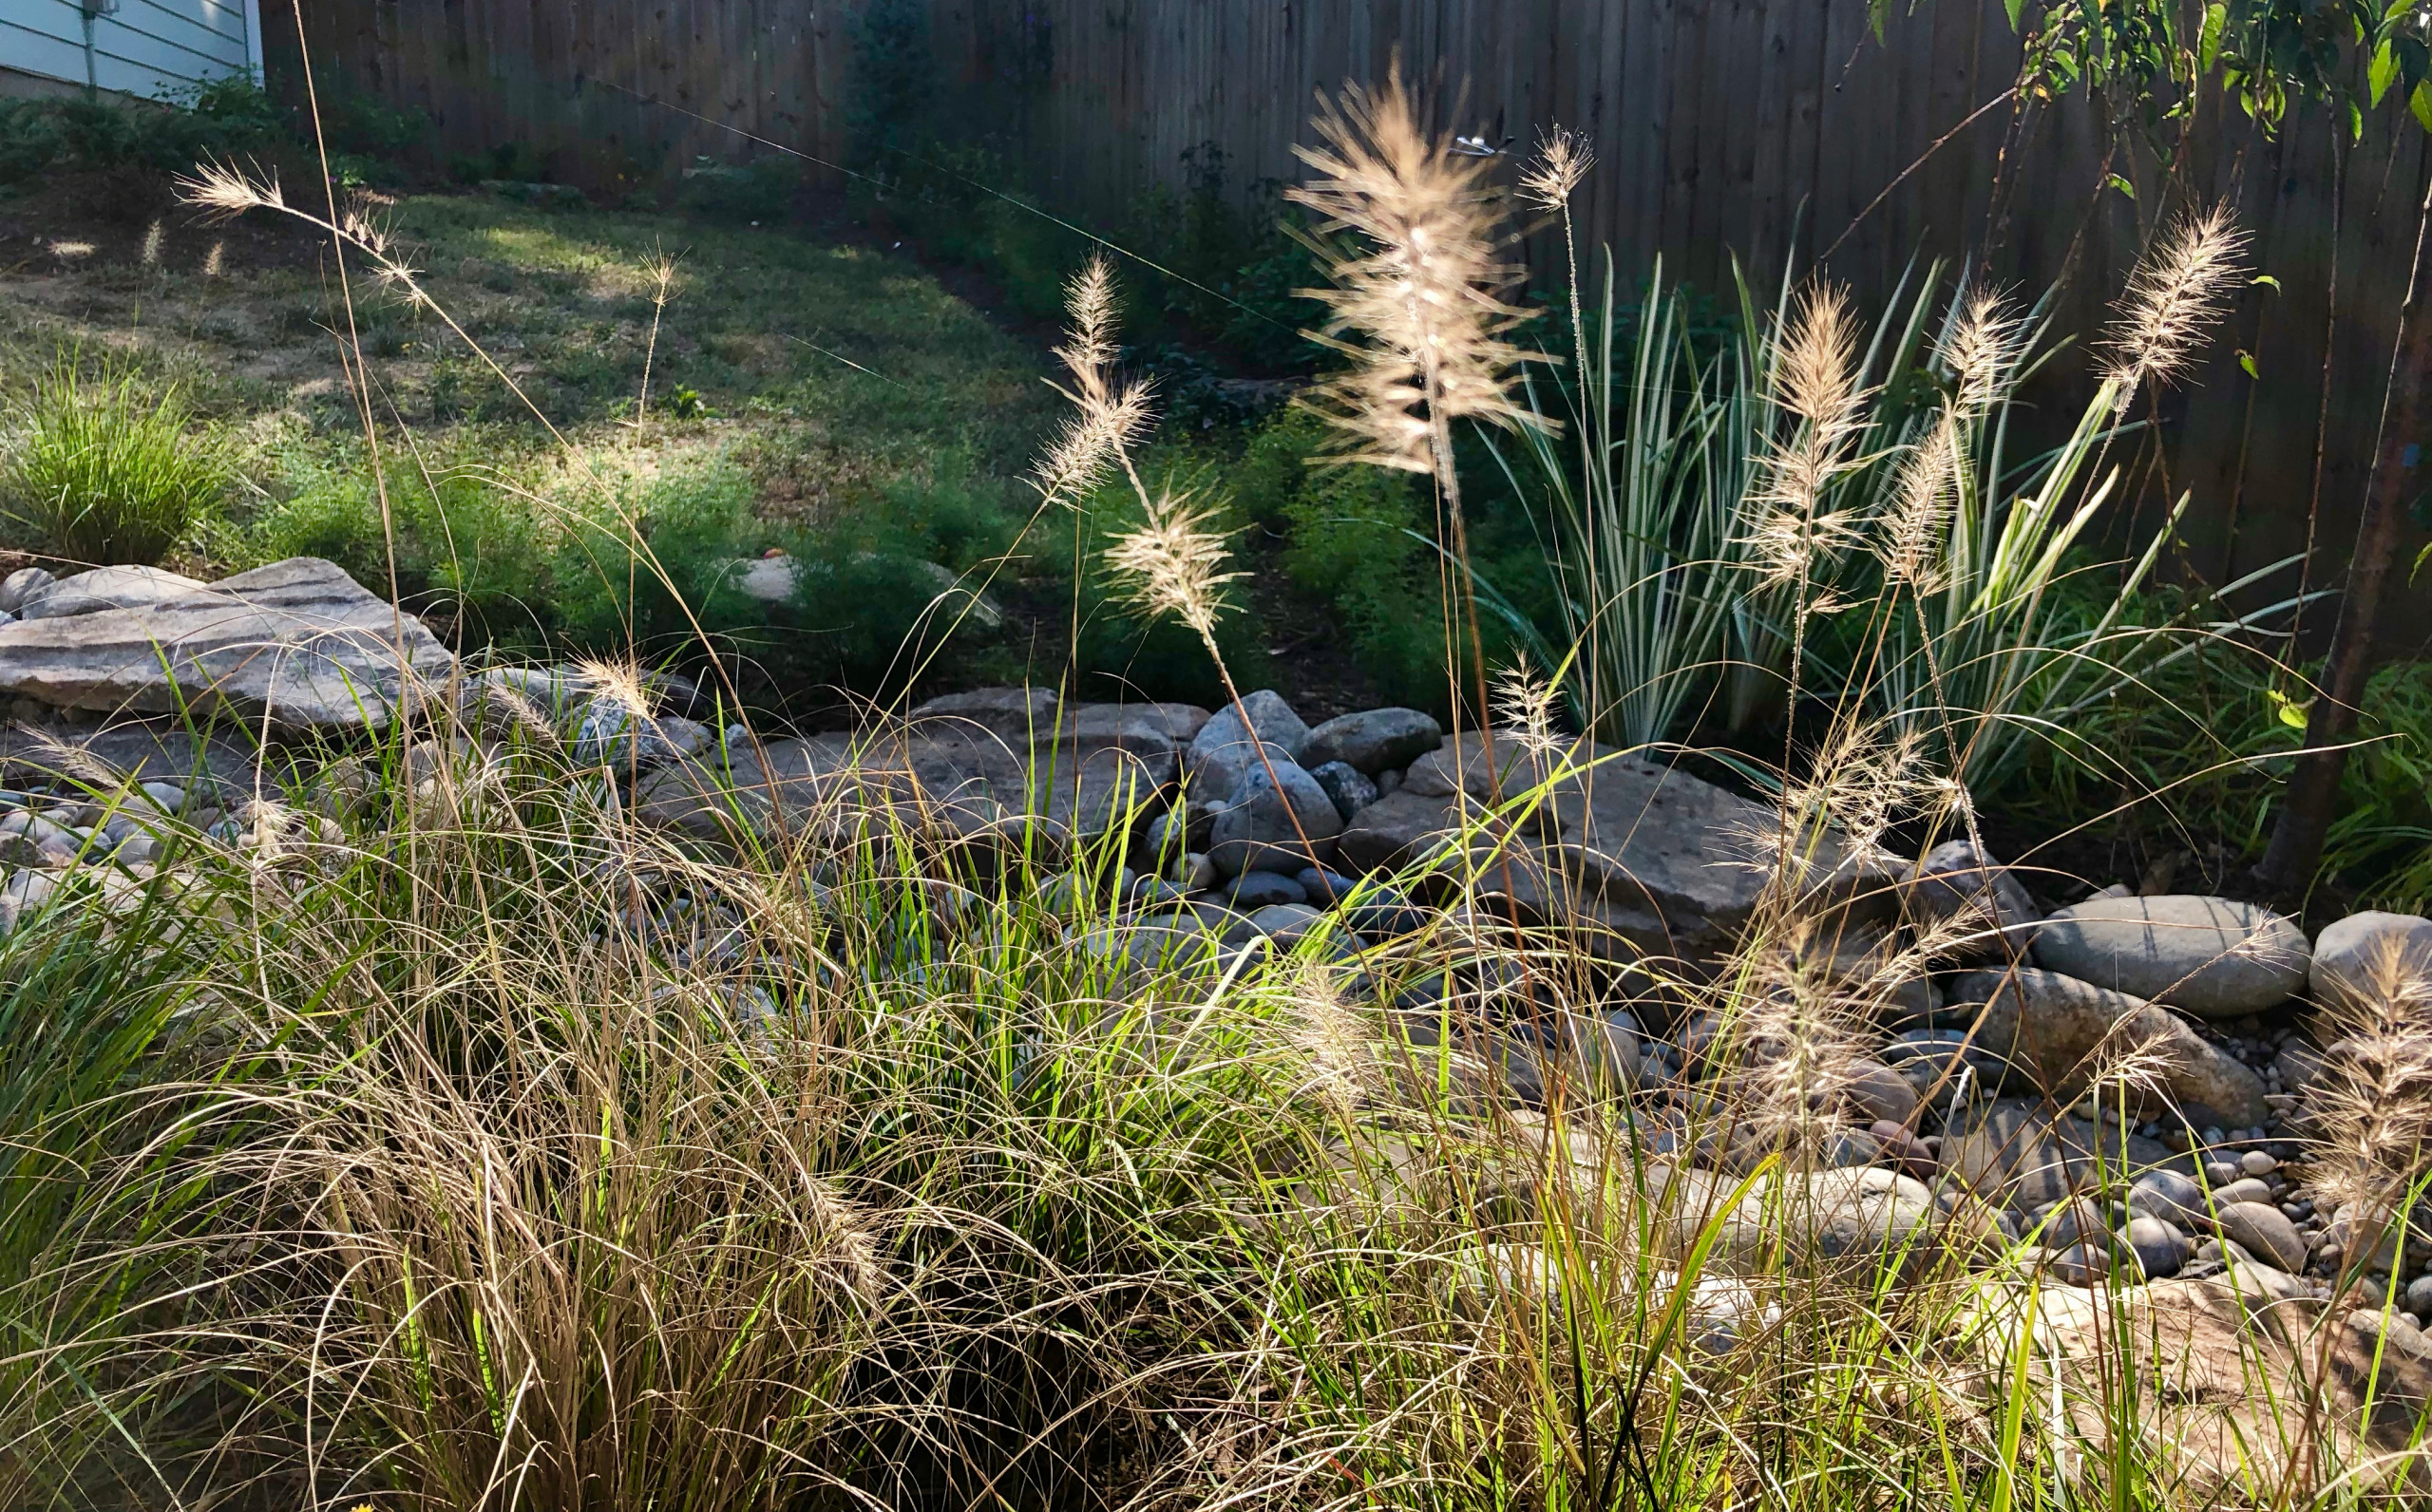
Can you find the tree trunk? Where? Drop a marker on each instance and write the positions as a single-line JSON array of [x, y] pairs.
[[2295, 852]]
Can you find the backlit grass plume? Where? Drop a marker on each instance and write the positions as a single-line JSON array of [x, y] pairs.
[[1816, 386], [1174, 565], [2177, 294], [1422, 297], [1109, 415]]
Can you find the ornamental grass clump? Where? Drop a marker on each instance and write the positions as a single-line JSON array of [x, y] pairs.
[[108, 466]]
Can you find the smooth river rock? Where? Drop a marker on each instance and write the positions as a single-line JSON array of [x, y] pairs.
[[2362, 956], [2055, 1031], [298, 640], [1373, 739], [1099, 769], [1278, 824], [1222, 750], [2211, 956]]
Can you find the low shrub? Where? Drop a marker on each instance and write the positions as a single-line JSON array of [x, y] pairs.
[[110, 466], [224, 119], [754, 192]]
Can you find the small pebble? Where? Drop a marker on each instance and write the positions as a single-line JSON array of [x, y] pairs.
[[2257, 1162]]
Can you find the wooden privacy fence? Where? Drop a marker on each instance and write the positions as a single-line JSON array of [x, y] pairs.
[[1777, 131]]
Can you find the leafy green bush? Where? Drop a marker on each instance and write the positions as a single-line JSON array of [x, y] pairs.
[[223, 119], [110, 467], [1359, 540], [762, 191]]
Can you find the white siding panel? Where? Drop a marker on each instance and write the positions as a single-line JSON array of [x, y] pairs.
[[40, 52], [59, 20], [207, 29], [149, 48]]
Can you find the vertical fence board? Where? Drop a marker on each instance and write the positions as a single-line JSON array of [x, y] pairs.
[[1760, 128]]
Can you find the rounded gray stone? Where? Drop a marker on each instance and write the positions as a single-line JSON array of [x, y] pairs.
[[1955, 881], [2171, 1196], [2077, 1221], [2264, 1231], [1344, 783], [2363, 949], [2419, 1297], [2159, 1246], [2210, 956], [1278, 829], [1223, 752], [1375, 740], [20, 585], [1255, 889]]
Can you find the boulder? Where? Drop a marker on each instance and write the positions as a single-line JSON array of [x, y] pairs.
[[1344, 783], [2264, 1231], [1648, 855], [1092, 773], [1373, 740], [2211, 956], [105, 588], [1276, 828], [608, 733], [1954, 885], [298, 641], [2055, 1031], [1012, 712], [2362, 956], [2159, 1244], [1222, 750], [2172, 1196], [1255, 889]]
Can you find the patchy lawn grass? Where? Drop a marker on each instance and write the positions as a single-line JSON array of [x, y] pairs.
[[818, 396]]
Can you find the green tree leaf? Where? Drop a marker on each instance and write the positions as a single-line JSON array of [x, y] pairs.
[[2421, 103], [2384, 71]]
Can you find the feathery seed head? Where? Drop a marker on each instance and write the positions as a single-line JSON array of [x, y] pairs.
[[1423, 298], [1173, 564], [1981, 350], [1524, 709], [2372, 1103], [223, 189], [2173, 298], [621, 682], [1815, 383], [1805, 1034], [1913, 532], [1331, 1036], [1562, 159], [1108, 417]]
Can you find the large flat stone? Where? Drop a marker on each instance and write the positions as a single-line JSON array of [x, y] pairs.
[[1089, 775], [1627, 841], [298, 640]]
